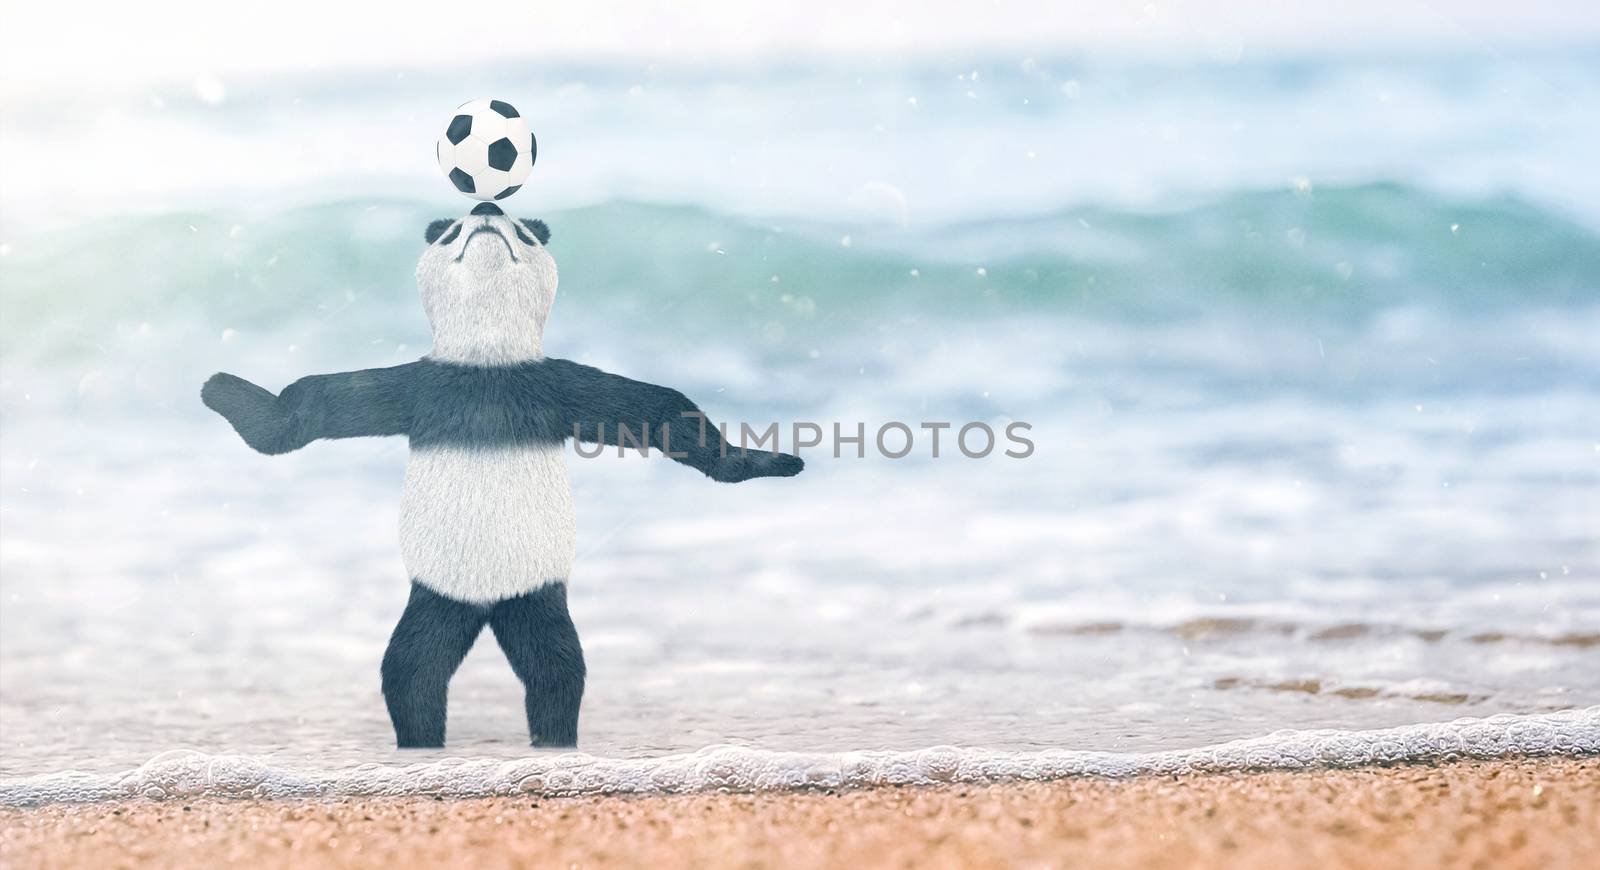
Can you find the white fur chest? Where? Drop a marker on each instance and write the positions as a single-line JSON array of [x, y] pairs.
[[482, 524]]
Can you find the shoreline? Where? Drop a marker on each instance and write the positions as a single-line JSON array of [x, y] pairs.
[[193, 775], [1504, 813]]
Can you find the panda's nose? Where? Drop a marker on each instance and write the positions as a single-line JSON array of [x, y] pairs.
[[488, 209]]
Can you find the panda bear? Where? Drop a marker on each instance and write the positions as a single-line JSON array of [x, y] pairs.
[[486, 523]]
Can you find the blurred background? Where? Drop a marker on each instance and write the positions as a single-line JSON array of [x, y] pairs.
[[1301, 301]]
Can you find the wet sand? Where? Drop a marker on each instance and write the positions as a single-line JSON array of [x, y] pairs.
[[1480, 814]]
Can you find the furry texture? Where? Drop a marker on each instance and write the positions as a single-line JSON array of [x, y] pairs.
[[539, 639], [342, 405], [536, 403], [433, 636], [486, 521], [539, 230], [486, 406], [436, 229], [481, 524], [487, 292], [487, 509], [596, 405]]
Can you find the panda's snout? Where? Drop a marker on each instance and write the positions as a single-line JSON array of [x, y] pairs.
[[488, 209], [487, 228]]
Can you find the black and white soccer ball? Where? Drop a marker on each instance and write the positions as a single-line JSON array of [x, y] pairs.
[[488, 150]]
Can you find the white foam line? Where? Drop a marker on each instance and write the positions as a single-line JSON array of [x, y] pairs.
[[187, 774]]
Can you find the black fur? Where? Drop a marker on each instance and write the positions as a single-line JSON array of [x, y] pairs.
[[429, 642], [435, 230], [539, 402], [539, 230], [536, 633], [536, 227], [434, 634], [343, 405]]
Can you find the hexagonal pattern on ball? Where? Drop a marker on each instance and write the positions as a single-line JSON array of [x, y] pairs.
[[502, 154], [487, 150], [460, 128]]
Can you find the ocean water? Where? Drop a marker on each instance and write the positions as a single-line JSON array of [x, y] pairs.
[[1307, 349]]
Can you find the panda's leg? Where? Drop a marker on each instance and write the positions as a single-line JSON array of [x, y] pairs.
[[539, 639], [432, 637]]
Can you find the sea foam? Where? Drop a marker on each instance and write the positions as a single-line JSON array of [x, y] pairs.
[[187, 774]]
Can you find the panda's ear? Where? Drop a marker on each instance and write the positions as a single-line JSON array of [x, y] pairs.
[[539, 230], [436, 229]]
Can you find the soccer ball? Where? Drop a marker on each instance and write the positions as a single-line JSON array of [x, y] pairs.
[[487, 151]]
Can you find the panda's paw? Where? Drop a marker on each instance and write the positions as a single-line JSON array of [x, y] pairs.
[[736, 468], [233, 396], [779, 465], [252, 411]]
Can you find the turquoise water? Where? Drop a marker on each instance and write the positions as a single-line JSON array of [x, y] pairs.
[[1335, 256], [1307, 348]]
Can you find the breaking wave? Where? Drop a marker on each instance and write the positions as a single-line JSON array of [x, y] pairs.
[[1339, 253], [186, 774]]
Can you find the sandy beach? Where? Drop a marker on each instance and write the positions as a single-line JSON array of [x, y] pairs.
[[1485, 814]]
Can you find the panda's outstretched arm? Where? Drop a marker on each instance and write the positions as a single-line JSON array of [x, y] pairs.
[[342, 405], [602, 408]]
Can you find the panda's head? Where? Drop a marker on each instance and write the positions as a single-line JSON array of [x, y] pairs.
[[487, 285]]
